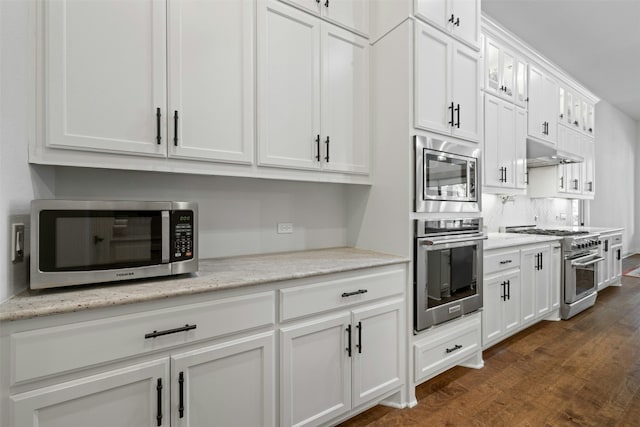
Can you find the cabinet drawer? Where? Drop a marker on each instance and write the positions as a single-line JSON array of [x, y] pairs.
[[447, 346], [616, 239], [330, 295], [78, 345], [501, 261]]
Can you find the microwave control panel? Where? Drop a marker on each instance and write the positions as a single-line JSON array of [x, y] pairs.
[[182, 235]]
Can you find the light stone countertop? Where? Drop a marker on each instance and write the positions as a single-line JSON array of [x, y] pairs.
[[214, 274], [505, 240]]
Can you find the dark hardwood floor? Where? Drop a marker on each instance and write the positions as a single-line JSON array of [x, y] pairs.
[[580, 372]]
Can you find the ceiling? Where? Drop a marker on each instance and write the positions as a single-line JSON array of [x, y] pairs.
[[595, 41]]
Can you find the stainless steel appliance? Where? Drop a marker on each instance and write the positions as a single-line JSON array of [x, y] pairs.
[[580, 261], [78, 242], [448, 270], [447, 176]]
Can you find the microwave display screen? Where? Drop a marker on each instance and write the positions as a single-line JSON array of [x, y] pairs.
[[446, 177], [84, 241]]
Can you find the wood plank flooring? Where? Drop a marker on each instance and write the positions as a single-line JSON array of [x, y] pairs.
[[580, 372]]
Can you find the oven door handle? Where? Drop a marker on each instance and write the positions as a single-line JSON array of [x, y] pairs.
[[588, 263], [430, 242]]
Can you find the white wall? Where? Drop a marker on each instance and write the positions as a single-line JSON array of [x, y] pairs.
[[617, 190], [19, 183], [522, 210], [238, 216]]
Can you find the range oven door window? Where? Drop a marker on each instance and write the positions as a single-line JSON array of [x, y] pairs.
[[449, 176], [581, 276], [97, 240]]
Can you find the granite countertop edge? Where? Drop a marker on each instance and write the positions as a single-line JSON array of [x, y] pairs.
[[282, 267]]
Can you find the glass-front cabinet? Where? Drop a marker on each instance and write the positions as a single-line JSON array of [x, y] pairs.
[[576, 111], [505, 73]]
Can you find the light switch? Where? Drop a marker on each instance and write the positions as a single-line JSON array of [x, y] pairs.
[[17, 242]]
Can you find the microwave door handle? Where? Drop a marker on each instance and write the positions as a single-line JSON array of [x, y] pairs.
[[445, 241], [588, 263], [166, 244]]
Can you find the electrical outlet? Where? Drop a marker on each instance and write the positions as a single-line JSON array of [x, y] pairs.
[[285, 227], [17, 242]]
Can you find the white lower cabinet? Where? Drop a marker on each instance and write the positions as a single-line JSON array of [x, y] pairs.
[[521, 287], [212, 360], [610, 270], [535, 268], [231, 384], [136, 396], [333, 364], [447, 345], [501, 311]]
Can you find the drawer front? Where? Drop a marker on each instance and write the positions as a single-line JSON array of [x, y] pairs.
[[501, 261], [446, 347], [616, 239], [50, 351], [330, 295]]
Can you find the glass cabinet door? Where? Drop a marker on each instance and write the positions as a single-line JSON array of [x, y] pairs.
[[521, 83], [493, 66], [561, 103], [508, 73], [584, 116], [576, 112], [569, 104], [590, 119]]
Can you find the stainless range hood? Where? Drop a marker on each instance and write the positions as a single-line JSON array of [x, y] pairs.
[[540, 154]]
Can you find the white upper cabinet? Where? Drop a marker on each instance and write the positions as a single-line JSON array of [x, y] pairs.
[[461, 18], [345, 100], [307, 66], [543, 104], [211, 85], [105, 76], [505, 73], [576, 111], [504, 146], [288, 87], [107, 87], [447, 85], [350, 14]]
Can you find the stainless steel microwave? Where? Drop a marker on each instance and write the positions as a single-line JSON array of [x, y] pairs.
[[80, 242], [447, 176]]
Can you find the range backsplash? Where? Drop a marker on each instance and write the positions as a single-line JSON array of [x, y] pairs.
[[522, 210]]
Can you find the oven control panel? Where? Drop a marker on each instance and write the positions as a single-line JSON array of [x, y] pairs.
[[585, 244], [182, 241]]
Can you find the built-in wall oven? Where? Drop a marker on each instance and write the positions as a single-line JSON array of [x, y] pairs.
[[447, 176], [448, 270]]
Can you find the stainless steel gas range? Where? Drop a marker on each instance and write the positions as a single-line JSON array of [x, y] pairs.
[[580, 263]]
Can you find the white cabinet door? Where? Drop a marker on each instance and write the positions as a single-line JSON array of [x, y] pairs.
[[499, 143], [315, 370], [447, 85], [529, 266], [521, 91], [492, 310], [136, 396], [511, 307], [230, 384], [211, 83], [520, 140], [378, 339], [543, 103], [288, 87], [433, 106], [345, 101], [353, 14], [543, 283], [466, 24], [105, 80], [555, 281], [588, 166], [492, 51], [465, 85], [605, 266], [458, 17], [616, 264]]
